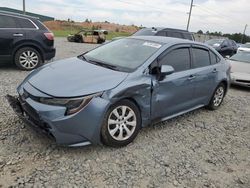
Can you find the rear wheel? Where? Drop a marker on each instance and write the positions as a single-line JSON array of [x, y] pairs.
[[217, 97], [27, 58], [121, 124]]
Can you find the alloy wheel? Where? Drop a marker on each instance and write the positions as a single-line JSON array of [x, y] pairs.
[[28, 59], [122, 123], [218, 96]]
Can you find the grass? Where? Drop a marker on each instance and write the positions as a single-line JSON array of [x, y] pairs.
[[65, 33]]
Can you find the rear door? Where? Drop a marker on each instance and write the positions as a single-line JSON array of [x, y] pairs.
[[175, 92], [204, 74], [10, 33]]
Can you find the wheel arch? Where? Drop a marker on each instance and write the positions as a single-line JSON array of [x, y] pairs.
[[226, 84], [25, 45], [142, 107]]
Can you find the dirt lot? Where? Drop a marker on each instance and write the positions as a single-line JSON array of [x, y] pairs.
[[200, 149]]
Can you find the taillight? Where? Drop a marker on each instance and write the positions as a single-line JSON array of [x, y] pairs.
[[49, 36]]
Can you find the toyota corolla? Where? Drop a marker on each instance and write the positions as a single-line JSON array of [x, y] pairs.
[[105, 96]]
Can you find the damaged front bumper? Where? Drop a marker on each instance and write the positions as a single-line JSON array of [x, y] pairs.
[[32, 118]]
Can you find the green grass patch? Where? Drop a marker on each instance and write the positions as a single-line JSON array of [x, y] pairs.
[[65, 33], [117, 34]]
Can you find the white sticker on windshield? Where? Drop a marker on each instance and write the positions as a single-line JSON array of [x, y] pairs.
[[150, 44]]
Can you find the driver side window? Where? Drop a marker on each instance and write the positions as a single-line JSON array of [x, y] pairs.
[[179, 59]]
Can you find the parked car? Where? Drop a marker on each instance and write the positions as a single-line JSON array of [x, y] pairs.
[[89, 36], [240, 72], [244, 47], [25, 41], [165, 32], [106, 95], [225, 47]]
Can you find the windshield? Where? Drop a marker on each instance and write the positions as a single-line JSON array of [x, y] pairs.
[[124, 54], [245, 45], [214, 41], [241, 56]]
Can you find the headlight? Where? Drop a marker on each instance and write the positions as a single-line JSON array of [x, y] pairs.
[[73, 105]]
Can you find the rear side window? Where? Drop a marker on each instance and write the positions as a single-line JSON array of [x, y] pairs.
[[200, 57], [8, 22], [233, 43], [188, 36], [25, 23], [179, 59], [161, 33], [175, 34]]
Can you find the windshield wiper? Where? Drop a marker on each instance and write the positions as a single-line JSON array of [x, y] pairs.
[[100, 63], [82, 57]]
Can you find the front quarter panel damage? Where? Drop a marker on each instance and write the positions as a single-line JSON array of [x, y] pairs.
[[137, 89]]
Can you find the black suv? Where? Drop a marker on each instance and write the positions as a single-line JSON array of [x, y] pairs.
[[166, 32], [225, 47], [25, 41]]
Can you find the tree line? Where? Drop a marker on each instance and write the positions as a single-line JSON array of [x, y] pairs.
[[237, 37]]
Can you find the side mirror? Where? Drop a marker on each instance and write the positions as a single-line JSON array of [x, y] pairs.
[[166, 70]]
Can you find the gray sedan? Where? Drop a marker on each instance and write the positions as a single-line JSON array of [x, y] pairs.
[[108, 94], [240, 71]]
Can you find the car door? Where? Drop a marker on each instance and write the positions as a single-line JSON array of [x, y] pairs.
[[204, 74], [173, 93], [10, 34]]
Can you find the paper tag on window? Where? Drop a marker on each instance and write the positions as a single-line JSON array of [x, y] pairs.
[[151, 44]]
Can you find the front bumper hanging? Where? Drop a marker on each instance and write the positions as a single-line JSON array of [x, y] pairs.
[[18, 109]]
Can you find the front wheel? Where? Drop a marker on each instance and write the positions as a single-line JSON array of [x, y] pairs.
[[121, 124], [217, 97]]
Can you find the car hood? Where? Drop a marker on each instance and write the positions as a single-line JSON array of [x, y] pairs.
[[73, 78]]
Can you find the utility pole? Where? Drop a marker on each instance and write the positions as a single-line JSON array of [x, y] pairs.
[[24, 12], [189, 14], [244, 32]]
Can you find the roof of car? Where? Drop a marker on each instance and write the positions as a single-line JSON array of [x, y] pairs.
[[165, 40], [18, 15], [165, 29]]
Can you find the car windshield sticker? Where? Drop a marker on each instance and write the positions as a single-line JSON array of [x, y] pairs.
[[150, 44]]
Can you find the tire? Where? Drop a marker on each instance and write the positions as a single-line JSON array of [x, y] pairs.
[[217, 97], [27, 58], [121, 124]]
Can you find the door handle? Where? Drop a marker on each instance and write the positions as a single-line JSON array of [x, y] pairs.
[[18, 35], [214, 71], [191, 77]]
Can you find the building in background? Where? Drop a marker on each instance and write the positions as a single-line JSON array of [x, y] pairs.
[[43, 18]]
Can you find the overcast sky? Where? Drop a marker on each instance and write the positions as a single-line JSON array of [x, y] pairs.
[[228, 16]]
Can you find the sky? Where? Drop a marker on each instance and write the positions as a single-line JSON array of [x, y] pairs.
[[227, 16]]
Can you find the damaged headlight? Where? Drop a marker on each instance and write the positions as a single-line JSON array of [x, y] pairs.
[[73, 105]]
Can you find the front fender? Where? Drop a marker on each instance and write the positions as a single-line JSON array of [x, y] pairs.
[[138, 89]]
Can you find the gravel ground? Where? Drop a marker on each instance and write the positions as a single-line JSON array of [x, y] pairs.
[[200, 149]]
